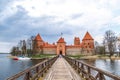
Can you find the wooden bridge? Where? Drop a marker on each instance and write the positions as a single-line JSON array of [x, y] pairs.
[[63, 68]]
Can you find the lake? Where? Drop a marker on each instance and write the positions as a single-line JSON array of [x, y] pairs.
[[112, 66], [9, 67]]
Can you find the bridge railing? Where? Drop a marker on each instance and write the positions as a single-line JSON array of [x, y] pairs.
[[34, 72], [89, 72]]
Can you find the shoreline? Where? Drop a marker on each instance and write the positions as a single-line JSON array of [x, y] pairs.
[[11, 57], [99, 57], [83, 57]]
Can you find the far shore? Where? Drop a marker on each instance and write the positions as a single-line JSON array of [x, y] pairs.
[[93, 57], [99, 57], [32, 58], [11, 56]]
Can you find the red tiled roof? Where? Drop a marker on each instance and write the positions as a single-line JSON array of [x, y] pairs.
[[61, 40], [88, 37], [38, 37]]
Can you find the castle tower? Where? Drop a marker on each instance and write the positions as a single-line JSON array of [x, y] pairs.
[[61, 46], [88, 43], [38, 44], [76, 41]]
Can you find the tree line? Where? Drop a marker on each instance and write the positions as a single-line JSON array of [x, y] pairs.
[[24, 47], [110, 44]]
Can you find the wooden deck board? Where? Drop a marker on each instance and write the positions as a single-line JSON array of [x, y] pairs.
[[61, 70]]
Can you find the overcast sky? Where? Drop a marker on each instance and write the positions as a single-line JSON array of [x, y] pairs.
[[20, 19]]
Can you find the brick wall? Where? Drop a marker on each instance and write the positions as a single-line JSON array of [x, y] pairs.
[[49, 51], [73, 51]]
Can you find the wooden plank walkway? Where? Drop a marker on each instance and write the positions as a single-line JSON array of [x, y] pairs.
[[61, 70]]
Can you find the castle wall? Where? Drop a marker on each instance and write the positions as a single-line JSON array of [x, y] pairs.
[[88, 52], [73, 51], [86, 47], [49, 51]]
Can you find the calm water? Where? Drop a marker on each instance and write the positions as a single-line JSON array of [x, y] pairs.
[[9, 67], [112, 66]]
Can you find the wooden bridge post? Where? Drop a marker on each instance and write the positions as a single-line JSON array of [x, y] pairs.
[[82, 70], [27, 76], [88, 73], [46, 67], [37, 69], [48, 64], [100, 76], [78, 67], [42, 71], [75, 65]]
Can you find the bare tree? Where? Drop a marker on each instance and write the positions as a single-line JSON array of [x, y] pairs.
[[34, 46], [15, 51], [24, 50], [110, 41], [30, 45], [119, 49], [104, 48], [96, 47], [99, 49], [20, 46]]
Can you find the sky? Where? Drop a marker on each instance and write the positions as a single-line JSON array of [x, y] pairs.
[[20, 19]]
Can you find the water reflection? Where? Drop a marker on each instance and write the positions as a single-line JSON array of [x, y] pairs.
[[112, 66], [9, 67]]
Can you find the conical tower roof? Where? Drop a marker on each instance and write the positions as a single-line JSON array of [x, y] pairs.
[[38, 37], [88, 36]]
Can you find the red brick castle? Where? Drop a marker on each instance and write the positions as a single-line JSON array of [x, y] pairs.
[[86, 47]]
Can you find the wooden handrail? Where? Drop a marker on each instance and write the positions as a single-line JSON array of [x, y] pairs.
[[85, 70], [36, 71]]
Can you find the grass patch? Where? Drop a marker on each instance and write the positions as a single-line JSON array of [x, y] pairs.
[[76, 56], [88, 56], [43, 56], [103, 55]]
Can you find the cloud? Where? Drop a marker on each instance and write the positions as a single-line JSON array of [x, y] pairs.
[[5, 47], [21, 19]]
